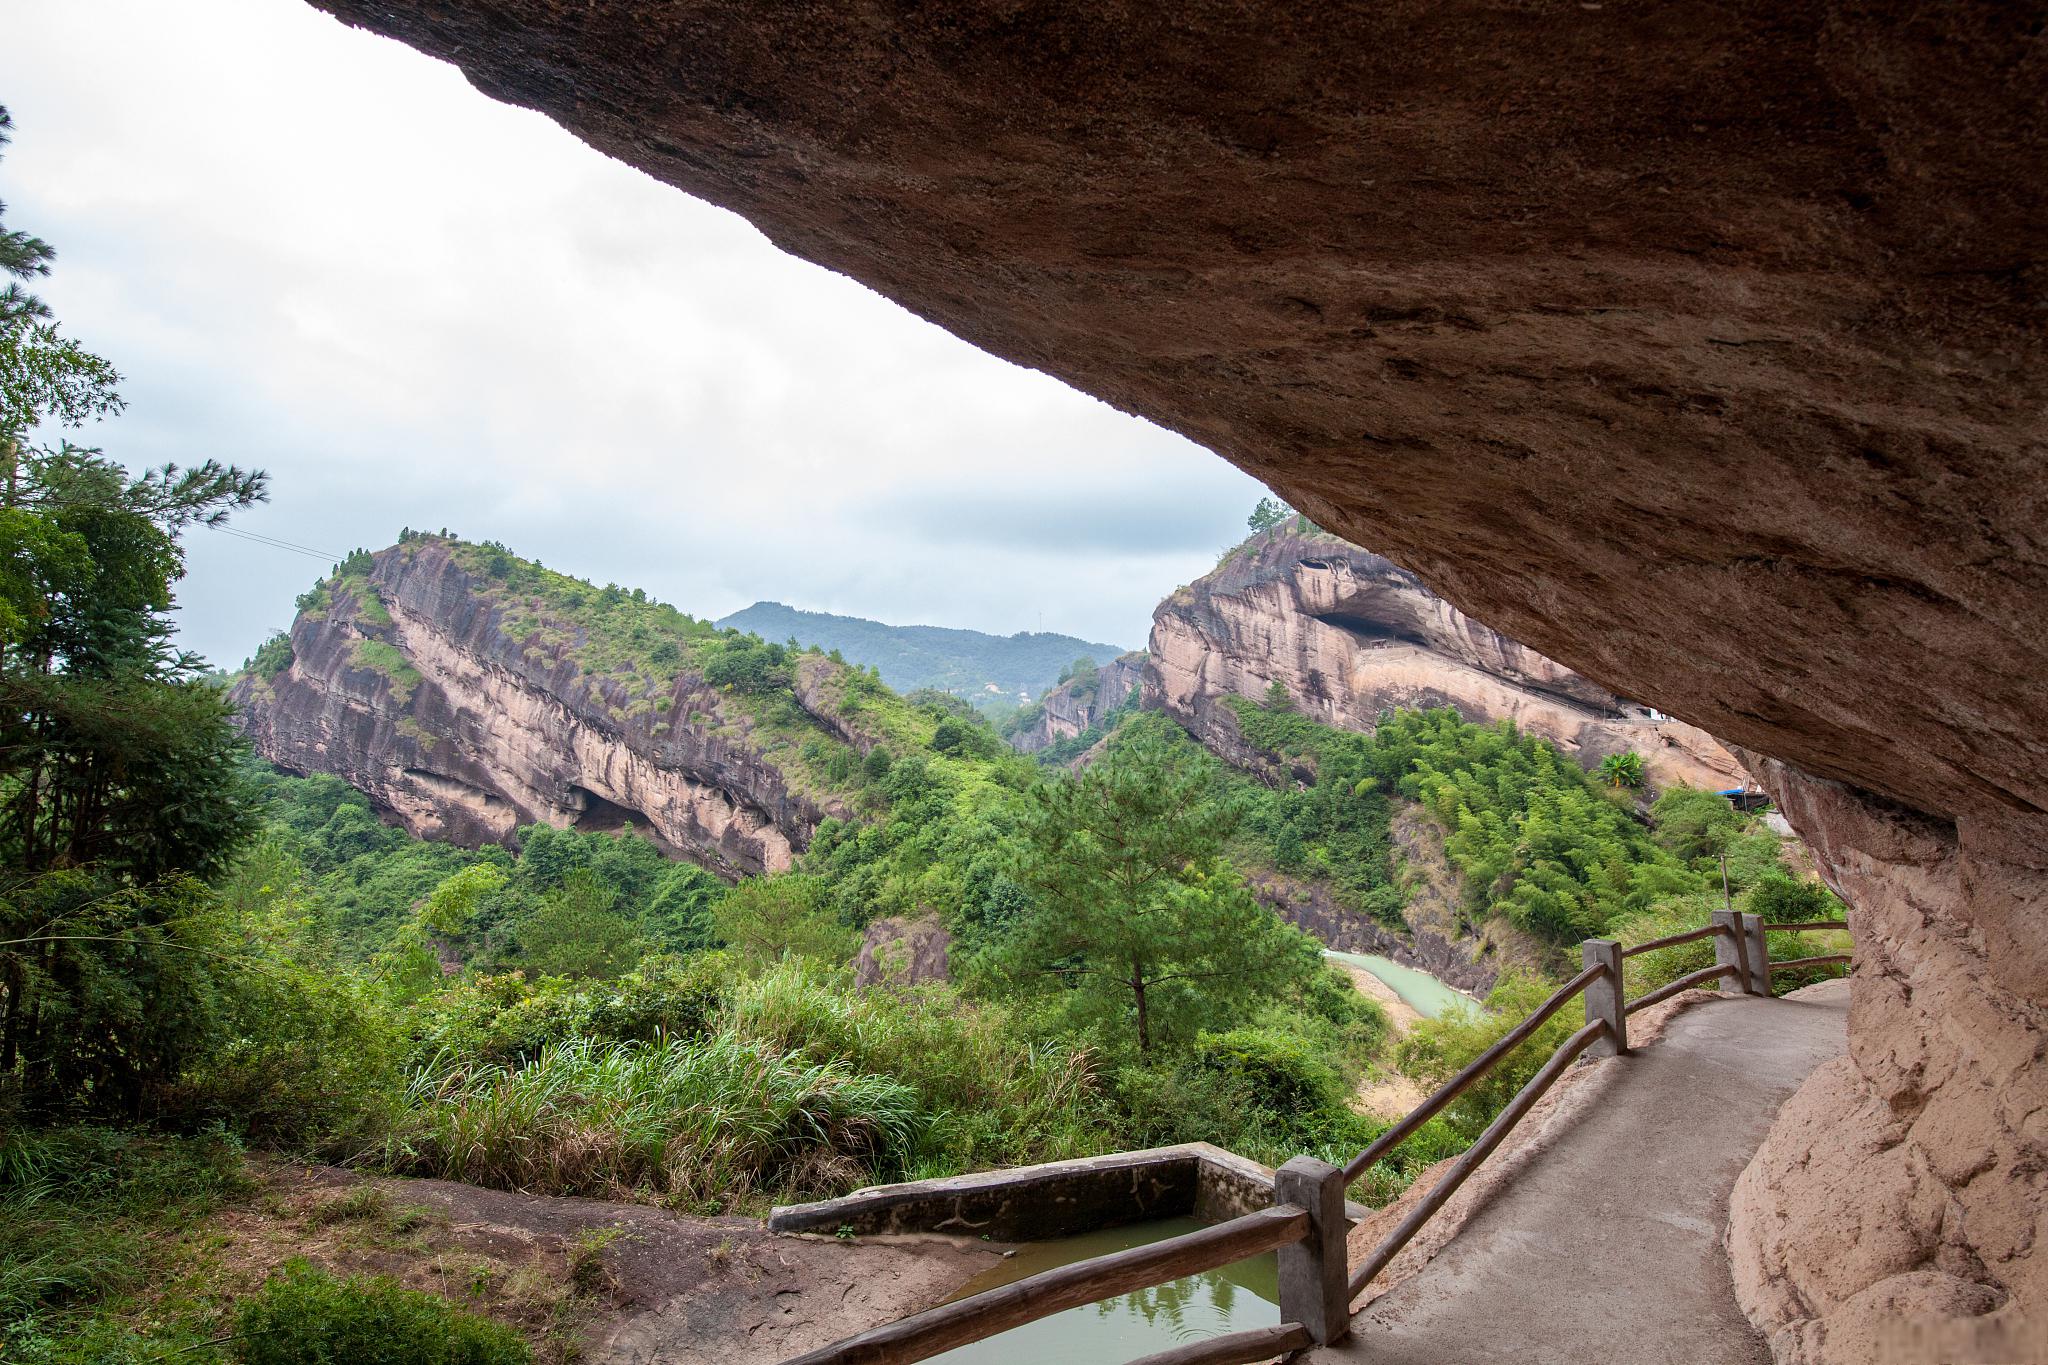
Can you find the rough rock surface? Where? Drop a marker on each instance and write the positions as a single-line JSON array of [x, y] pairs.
[[495, 733], [1697, 346], [1350, 635], [1079, 703], [1897, 1204], [903, 952]]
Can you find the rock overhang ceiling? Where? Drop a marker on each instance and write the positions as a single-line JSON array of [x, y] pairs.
[[1695, 345]]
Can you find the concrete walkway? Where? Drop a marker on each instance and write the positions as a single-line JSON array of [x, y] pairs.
[[1607, 1247]]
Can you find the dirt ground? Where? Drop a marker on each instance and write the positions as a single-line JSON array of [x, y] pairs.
[[1385, 1094], [586, 1279]]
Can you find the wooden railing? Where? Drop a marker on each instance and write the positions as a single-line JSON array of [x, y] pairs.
[[1306, 1224], [1796, 927]]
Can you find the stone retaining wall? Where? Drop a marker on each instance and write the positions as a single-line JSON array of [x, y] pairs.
[[1057, 1199]]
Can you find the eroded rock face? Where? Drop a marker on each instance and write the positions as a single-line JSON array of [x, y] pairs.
[[1897, 1202], [494, 733], [1697, 346], [903, 952], [1350, 634], [1078, 704]]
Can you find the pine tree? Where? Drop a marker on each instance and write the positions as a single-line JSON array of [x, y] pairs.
[[120, 788], [22, 256]]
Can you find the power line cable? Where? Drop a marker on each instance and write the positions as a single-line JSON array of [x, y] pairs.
[[276, 544]]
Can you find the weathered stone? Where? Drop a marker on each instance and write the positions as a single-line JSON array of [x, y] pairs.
[[903, 952], [1904, 1183], [1350, 635], [495, 735], [1080, 703], [1053, 1199]]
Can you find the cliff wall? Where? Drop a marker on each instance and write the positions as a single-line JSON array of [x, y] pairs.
[[407, 684], [1350, 635], [1079, 703]]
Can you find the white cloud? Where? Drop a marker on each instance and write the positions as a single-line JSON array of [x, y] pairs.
[[319, 252]]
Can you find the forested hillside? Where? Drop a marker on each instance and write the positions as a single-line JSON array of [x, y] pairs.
[[991, 671]]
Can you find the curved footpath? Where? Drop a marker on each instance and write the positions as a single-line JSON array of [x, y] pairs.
[[1607, 1245]]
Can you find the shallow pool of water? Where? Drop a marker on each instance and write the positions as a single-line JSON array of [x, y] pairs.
[[1423, 993], [1232, 1299]]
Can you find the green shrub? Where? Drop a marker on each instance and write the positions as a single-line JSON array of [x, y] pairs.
[[743, 663], [965, 738], [995, 1097], [1782, 900], [304, 1316], [1437, 1049], [1187, 1101], [272, 657], [1282, 1071], [308, 1063], [507, 1020], [1694, 824]]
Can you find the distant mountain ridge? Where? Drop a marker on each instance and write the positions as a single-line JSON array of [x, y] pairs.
[[967, 663]]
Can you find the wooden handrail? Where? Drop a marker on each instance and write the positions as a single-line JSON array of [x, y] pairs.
[[1683, 983], [926, 1334], [1673, 940], [1458, 1084], [1830, 960], [1238, 1348], [1799, 926], [1390, 1246]]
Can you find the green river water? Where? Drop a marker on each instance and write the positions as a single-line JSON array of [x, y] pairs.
[[1238, 1296], [1426, 995]]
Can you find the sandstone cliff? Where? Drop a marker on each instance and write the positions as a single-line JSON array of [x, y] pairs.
[[1079, 704], [466, 710], [1350, 635]]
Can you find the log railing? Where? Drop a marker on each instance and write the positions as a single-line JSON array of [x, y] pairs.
[[1794, 927], [1306, 1224]]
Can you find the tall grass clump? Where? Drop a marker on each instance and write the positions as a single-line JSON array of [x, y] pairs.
[[993, 1095], [699, 1122], [304, 1316], [76, 1207]]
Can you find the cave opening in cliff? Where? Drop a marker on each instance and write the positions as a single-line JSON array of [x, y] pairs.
[[599, 815], [1370, 628]]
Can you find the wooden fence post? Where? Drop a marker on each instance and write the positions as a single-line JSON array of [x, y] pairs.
[[1759, 955], [1314, 1275], [1604, 999], [1731, 949]]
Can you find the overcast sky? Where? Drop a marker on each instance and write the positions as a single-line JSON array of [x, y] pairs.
[[318, 252]]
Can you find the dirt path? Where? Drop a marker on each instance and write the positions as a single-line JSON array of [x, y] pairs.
[[1390, 1094]]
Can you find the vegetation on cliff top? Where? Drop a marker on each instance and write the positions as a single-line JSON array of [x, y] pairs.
[[817, 719]]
